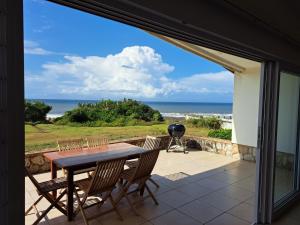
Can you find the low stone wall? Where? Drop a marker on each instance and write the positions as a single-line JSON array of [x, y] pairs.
[[245, 152], [285, 160], [36, 163], [218, 146], [222, 147]]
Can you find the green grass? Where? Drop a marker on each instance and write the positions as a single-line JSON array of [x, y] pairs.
[[45, 135]]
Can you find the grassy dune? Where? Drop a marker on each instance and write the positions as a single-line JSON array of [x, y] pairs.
[[45, 135]]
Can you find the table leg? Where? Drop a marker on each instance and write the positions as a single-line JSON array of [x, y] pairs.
[[53, 176], [70, 204]]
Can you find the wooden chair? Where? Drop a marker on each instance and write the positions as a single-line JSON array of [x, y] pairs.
[[94, 142], [44, 189], [73, 144], [151, 143], [103, 181], [139, 175]]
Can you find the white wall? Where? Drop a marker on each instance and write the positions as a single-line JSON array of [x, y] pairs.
[[245, 107], [288, 113]]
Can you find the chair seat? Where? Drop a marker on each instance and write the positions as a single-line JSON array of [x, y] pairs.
[[127, 174], [83, 184], [54, 184], [132, 163], [84, 170]]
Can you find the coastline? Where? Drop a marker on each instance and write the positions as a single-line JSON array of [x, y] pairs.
[[175, 115], [172, 110]]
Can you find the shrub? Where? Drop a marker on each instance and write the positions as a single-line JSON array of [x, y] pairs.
[[208, 122], [36, 111], [111, 113], [77, 116], [221, 133]]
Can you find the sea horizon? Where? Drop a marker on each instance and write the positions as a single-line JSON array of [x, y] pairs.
[[166, 108]]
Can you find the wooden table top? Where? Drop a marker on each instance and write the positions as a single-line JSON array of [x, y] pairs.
[[77, 158]]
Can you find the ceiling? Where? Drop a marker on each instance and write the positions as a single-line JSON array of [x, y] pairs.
[[282, 16], [230, 62], [261, 30]]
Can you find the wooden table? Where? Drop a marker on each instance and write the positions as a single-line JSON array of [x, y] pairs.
[[81, 159]]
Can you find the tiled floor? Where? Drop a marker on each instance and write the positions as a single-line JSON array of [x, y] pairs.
[[196, 188]]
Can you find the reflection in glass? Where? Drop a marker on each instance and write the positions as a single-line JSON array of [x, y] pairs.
[[287, 136]]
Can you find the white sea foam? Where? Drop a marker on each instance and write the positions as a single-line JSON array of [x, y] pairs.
[[53, 116], [173, 115], [195, 115]]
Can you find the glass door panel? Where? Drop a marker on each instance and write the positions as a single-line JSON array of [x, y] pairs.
[[286, 164]]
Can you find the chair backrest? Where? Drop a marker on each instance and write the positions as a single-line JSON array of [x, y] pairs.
[[151, 143], [106, 175], [33, 180], [72, 144], [93, 142], [146, 164]]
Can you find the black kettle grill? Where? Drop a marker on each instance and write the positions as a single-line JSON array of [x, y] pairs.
[[176, 132]]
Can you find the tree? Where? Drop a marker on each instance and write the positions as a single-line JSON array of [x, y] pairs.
[[36, 111], [113, 113]]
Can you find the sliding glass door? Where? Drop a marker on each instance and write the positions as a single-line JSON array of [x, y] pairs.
[[278, 141], [286, 164]]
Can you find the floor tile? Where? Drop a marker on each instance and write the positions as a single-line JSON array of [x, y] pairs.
[[129, 218], [236, 193], [199, 211], [174, 218], [212, 183], [194, 190], [175, 198], [220, 202], [243, 211], [148, 210], [226, 219]]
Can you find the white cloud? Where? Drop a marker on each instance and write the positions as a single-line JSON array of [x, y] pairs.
[[136, 71], [33, 48], [220, 82]]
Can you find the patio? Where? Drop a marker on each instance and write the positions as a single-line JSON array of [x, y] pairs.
[[195, 188]]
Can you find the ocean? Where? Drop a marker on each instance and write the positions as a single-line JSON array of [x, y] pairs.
[[167, 109]]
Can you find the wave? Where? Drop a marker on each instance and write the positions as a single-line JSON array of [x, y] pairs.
[[173, 115], [53, 115], [195, 115]]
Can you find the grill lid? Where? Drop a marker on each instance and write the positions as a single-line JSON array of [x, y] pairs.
[[176, 130]]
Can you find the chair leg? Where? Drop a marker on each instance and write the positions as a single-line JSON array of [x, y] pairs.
[[81, 208], [89, 175], [124, 193], [33, 205], [142, 189], [56, 203], [104, 199], [151, 194], [53, 203], [114, 205], [153, 182]]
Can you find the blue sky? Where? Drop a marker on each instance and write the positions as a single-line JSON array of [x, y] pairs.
[[74, 55]]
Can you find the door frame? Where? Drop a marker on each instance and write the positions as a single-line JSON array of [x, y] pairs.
[[12, 95], [287, 201], [267, 140]]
